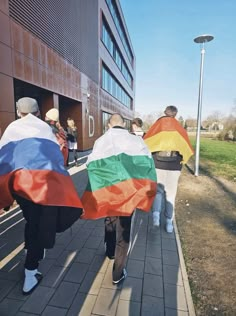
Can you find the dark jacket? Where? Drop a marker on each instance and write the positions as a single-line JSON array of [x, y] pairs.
[[72, 134]]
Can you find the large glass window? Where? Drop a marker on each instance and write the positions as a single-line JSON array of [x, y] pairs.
[[118, 59], [113, 49], [105, 118], [112, 86], [117, 20]]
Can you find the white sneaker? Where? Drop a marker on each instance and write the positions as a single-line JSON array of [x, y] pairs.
[[169, 226], [122, 277], [156, 219], [32, 280]]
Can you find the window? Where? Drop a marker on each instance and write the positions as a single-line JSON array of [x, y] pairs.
[[118, 59], [112, 86], [105, 118], [113, 49], [118, 23]]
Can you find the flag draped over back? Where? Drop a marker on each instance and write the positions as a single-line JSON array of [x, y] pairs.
[[121, 176], [166, 134], [31, 165]]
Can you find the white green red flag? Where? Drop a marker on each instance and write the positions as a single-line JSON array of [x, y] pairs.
[[121, 175]]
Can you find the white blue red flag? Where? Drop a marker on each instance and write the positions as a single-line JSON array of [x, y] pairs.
[[31, 166]]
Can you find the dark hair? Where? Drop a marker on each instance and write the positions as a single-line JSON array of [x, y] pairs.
[[171, 111], [137, 121]]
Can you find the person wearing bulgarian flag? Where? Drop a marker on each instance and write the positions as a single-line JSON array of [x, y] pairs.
[[110, 222], [122, 177], [170, 146], [32, 172]]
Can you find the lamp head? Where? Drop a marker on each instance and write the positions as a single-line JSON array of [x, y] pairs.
[[203, 38]]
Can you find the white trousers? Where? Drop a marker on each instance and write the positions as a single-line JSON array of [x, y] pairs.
[[166, 192]]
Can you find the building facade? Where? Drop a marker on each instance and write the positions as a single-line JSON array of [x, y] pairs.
[[73, 55]]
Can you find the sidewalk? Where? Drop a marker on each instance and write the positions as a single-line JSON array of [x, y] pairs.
[[77, 275]]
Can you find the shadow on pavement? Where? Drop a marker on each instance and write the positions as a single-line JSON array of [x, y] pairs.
[[78, 277]]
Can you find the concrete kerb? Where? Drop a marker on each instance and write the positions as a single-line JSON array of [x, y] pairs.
[[187, 289]]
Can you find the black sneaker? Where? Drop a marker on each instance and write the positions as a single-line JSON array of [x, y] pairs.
[[122, 277]]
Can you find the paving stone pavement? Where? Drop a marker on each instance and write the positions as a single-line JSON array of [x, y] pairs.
[[77, 275]]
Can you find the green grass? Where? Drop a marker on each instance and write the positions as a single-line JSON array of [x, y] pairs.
[[218, 157]]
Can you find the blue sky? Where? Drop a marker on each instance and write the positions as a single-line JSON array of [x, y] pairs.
[[168, 60]]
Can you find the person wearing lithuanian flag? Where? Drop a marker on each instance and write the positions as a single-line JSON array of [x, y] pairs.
[[170, 146], [122, 177]]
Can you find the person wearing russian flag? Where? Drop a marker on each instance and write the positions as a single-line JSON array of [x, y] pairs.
[[122, 178], [170, 146], [32, 173]]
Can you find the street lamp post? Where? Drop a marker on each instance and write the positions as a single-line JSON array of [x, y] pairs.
[[202, 39]]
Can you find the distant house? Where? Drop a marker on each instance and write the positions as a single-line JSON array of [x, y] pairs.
[[216, 126]]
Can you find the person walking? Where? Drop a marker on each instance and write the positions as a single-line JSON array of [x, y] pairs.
[[136, 127], [170, 146], [52, 119], [72, 138], [111, 222], [122, 177], [32, 173]]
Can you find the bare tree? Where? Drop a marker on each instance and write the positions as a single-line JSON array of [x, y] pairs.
[[233, 112], [213, 120], [137, 114], [149, 119], [181, 121], [190, 123], [229, 130]]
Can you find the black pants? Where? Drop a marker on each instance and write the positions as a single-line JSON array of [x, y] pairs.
[[75, 156], [33, 243], [117, 238]]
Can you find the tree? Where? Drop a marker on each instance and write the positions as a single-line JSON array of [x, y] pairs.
[[191, 123], [149, 119], [229, 130], [181, 121], [233, 112], [213, 121]]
